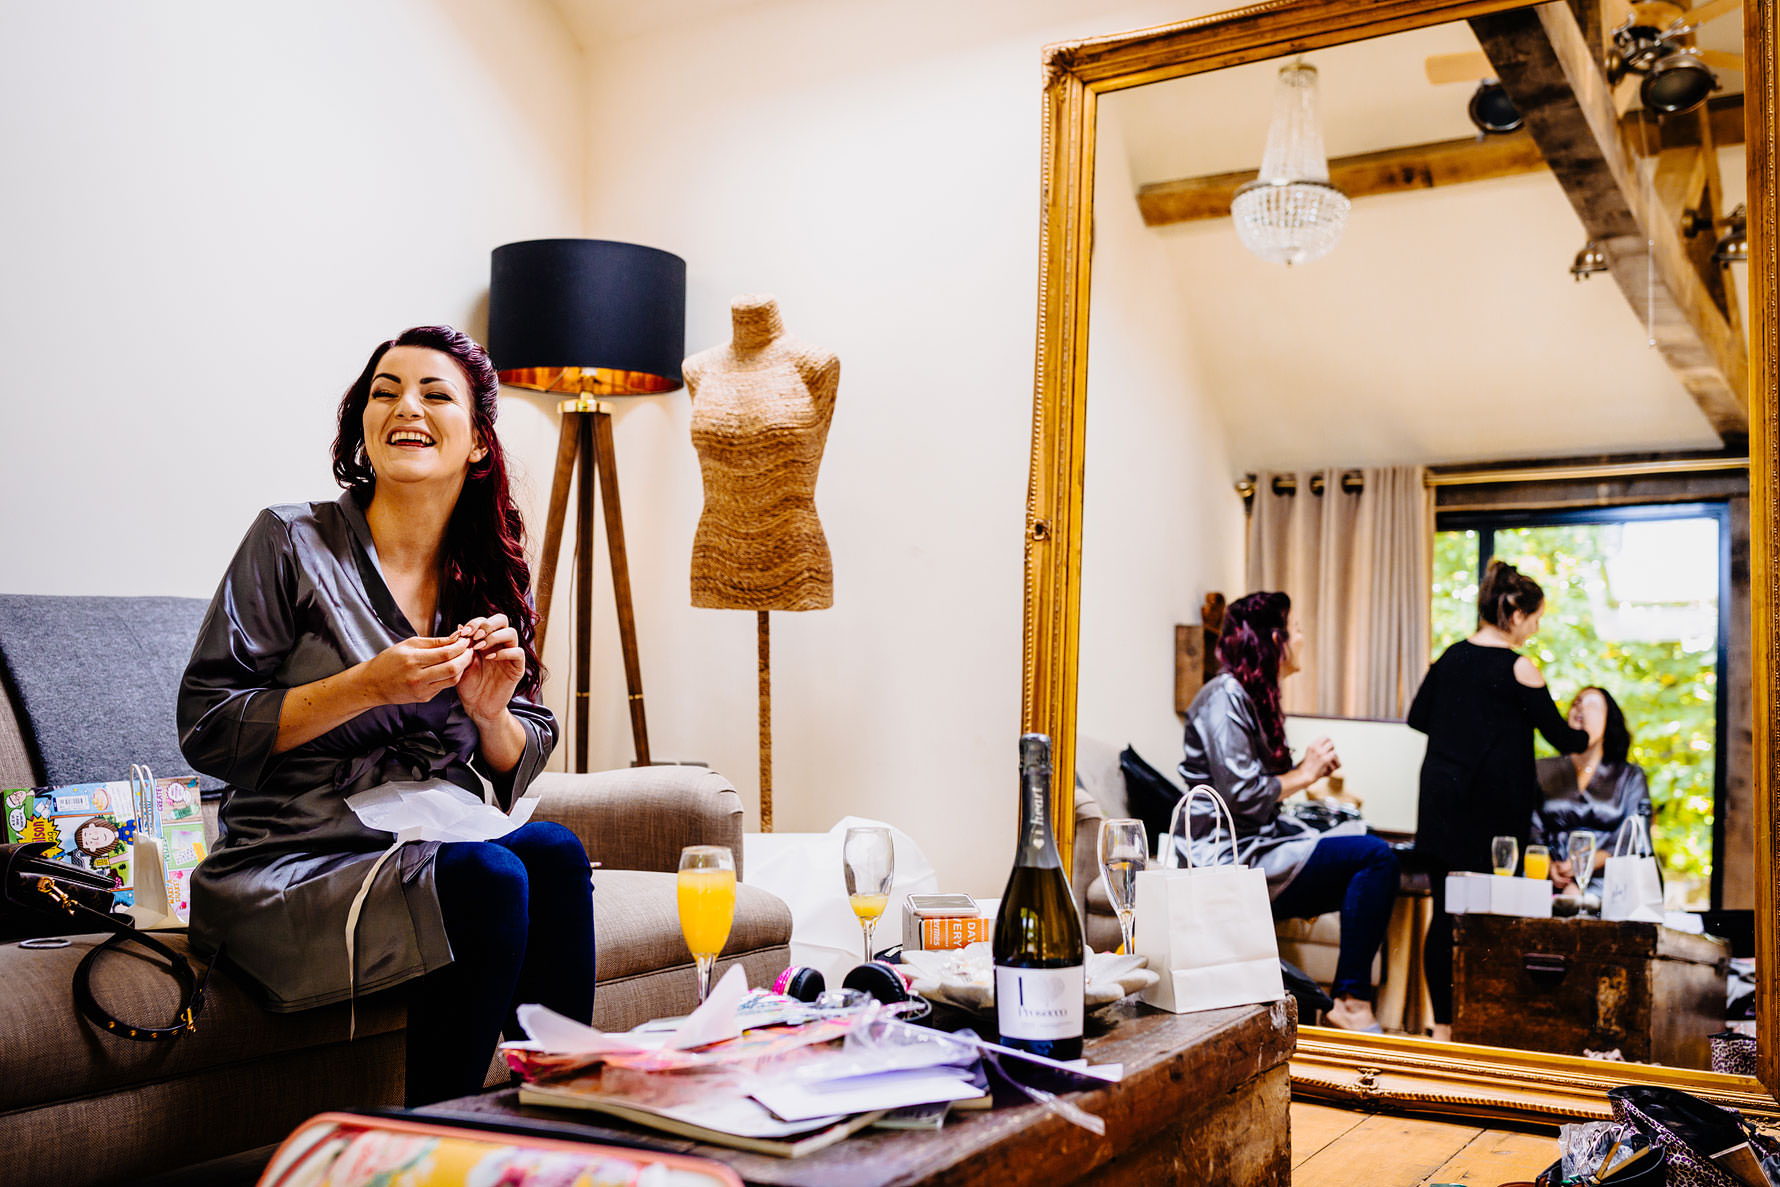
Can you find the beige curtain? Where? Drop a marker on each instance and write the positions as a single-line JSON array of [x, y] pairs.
[[1358, 568]]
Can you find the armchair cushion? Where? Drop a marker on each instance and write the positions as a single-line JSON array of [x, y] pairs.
[[640, 818]]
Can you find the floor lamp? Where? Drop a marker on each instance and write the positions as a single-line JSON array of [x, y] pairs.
[[589, 318]]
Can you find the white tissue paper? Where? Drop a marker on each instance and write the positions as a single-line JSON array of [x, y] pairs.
[[436, 811]]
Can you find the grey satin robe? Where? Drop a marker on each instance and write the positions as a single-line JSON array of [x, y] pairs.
[[1615, 792], [303, 599], [1222, 748]]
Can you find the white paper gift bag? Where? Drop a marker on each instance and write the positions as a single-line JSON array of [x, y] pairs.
[[1206, 930], [1634, 887]]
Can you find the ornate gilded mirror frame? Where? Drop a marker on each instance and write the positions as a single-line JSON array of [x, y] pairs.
[[1403, 1073]]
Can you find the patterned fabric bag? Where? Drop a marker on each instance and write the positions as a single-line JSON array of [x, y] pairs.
[[1703, 1143]]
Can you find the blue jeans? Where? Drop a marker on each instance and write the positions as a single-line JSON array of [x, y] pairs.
[[1358, 877], [519, 914]]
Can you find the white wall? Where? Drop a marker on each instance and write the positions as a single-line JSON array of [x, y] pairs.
[[877, 170], [211, 212], [1161, 525]]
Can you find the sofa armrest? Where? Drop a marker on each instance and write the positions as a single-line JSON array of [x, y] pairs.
[[640, 819]]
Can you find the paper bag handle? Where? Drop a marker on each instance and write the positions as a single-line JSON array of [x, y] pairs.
[[1639, 838], [1181, 809]]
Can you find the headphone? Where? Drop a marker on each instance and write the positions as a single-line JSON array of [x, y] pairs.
[[878, 979]]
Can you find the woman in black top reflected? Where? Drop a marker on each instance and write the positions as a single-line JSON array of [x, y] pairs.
[[1594, 791], [1479, 705]]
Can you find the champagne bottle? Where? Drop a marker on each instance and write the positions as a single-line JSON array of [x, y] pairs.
[[1039, 984]]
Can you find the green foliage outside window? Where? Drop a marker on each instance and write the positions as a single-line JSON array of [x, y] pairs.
[[1668, 689]]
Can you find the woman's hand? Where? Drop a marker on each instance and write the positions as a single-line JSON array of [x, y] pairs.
[[497, 665], [417, 670], [1561, 875], [1319, 760]]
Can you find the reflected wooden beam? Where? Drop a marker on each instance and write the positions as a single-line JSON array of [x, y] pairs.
[[1392, 171], [1425, 166], [1543, 59]]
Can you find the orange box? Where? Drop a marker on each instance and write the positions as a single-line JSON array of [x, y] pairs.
[[955, 931]]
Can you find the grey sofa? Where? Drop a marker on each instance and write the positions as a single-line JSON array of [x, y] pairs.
[[89, 688]]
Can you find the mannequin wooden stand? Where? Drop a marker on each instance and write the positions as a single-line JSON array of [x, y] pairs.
[[766, 727], [586, 444]]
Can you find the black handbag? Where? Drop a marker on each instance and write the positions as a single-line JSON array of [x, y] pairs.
[[38, 897]]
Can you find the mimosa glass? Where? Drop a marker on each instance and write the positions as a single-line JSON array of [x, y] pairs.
[[1504, 854], [1124, 848], [1538, 862], [707, 906], [869, 860]]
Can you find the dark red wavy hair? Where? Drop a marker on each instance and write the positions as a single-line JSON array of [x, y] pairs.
[[1254, 635], [483, 558]]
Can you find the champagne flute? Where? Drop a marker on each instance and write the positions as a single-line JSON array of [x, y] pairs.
[[1124, 847], [869, 861], [1582, 860], [1504, 854], [707, 906]]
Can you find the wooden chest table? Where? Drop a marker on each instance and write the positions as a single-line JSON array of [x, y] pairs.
[[1566, 985], [1204, 1100]]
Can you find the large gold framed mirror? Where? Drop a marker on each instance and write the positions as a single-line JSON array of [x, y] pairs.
[[1692, 400]]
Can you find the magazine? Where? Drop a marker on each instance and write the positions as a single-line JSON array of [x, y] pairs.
[[91, 826]]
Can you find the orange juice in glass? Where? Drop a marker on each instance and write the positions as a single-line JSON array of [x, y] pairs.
[[1536, 863], [707, 906]]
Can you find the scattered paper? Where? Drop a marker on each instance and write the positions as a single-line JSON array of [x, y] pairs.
[[793, 1101], [437, 810]]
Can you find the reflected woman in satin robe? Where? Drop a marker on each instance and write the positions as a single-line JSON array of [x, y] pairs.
[[1236, 743], [383, 638], [1593, 791]]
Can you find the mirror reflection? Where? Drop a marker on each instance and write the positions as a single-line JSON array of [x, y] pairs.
[[1416, 524]]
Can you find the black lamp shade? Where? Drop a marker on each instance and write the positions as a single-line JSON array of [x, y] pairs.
[[587, 315]]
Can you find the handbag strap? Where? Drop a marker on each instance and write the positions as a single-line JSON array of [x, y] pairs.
[[191, 986]]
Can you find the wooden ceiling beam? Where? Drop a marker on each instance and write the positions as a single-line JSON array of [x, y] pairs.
[[1394, 170], [1419, 166], [1543, 59]]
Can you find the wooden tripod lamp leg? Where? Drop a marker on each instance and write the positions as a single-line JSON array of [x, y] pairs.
[[559, 505], [766, 726], [584, 585], [627, 618]]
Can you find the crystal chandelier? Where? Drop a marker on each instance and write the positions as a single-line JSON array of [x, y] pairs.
[[1290, 214]]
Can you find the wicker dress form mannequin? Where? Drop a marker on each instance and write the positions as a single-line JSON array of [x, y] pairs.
[[761, 407]]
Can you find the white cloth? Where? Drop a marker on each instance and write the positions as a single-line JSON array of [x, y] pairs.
[[804, 870]]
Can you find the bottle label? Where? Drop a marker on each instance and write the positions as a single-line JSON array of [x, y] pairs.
[[1039, 1003]]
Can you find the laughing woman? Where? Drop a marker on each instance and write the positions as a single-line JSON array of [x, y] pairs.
[[386, 638]]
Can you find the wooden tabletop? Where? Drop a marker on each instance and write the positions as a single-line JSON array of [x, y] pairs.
[[1173, 1062]]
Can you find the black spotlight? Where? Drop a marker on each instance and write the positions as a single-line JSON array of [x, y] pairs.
[[1733, 245], [1675, 79], [1492, 110], [1677, 82]]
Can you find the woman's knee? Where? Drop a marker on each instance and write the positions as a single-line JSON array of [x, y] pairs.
[[1378, 854], [547, 848], [480, 871]]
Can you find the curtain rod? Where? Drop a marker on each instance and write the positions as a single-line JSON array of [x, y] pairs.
[[1354, 482]]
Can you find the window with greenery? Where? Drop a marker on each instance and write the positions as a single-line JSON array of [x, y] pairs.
[[1632, 605]]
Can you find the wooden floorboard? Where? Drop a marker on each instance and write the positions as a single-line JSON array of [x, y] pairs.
[[1333, 1147], [1499, 1156], [1314, 1126]]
